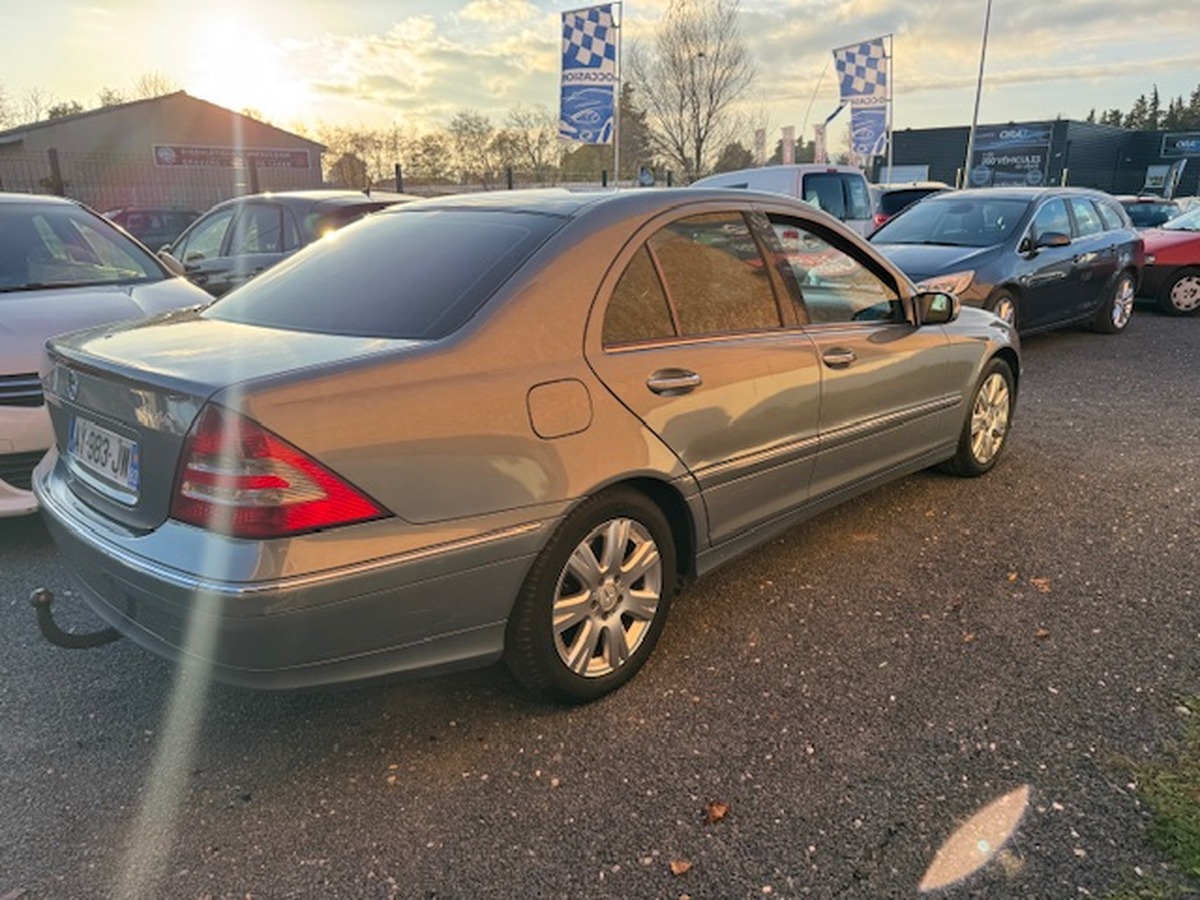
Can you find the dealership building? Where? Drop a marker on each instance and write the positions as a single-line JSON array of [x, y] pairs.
[[1063, 151], [169, 151]]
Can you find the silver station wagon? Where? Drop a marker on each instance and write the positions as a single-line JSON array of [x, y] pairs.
[[505, 426]]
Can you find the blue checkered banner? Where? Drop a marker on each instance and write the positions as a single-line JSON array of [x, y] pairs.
[[862, 71], [868, 130], [589, 75]]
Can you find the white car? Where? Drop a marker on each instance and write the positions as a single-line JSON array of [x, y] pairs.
[[62, 268]]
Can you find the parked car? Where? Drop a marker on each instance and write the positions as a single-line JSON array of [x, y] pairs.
[[239, 238], [1039, 258], [506, 425], [62, 267], [841, 191], [1149, 210], [1172, 273], [153, 227], [889, 199]]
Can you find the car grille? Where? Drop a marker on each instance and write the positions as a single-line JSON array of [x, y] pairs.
[[17, 468], [21, 390]]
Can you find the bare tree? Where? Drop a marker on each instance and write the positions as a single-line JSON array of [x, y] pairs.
[[8, 116], [153, 84], [34, 105], [696, 69], [472, 136], [110, 96], [532, 138]]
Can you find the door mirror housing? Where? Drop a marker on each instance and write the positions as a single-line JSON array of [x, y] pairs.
[[937, 307], [168, 260]]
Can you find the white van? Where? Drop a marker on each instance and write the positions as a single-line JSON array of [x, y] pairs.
[[841, 191]]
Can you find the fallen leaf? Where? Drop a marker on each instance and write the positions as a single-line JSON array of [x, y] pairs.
[[1042, 584], [680, 867], [715, 812], [968, 636], [1041, 634], [1012, 576]]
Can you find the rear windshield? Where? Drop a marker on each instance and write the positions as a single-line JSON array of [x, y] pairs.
[[1149, 215], [402, 274], [892, 202]]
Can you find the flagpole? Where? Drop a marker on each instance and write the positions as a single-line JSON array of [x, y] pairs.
[[891, 77], [987, 19], [617, 99]]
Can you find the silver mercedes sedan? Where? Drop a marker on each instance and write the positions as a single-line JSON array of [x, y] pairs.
[[503, 426]]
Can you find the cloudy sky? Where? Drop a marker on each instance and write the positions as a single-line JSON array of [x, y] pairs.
[[415, 63]]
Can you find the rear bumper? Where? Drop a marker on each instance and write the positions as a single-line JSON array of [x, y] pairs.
[[442, 607]]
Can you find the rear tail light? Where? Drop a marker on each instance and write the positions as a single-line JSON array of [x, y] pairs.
[[237, 478], [880, 218]]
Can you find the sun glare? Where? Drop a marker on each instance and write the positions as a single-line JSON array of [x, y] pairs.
[[235, 66]]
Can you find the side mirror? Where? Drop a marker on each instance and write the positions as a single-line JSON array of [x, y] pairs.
[[1052, 239], [937, 307], [171, 262]]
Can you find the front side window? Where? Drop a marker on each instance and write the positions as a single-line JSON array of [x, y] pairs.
[[1051, 218], [835, 286], [204, 241], [715, 275]]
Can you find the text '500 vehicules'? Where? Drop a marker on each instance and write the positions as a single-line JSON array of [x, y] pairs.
[[508, 425]]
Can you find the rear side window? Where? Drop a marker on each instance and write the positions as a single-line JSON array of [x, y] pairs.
[[638, 309], [841, 194], [406, 274], [1087, 220]]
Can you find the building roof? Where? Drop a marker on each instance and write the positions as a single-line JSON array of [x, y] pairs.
[[12, 135]]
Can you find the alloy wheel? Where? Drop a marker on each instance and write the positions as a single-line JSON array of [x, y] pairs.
[[607, 597], [989, 418]]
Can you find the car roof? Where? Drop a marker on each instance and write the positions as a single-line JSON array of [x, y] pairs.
[[12, 197], [570, 204], [1017, 193], [323, 198]]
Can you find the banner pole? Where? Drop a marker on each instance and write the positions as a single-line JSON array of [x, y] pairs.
[[620, 15], [891, 76]]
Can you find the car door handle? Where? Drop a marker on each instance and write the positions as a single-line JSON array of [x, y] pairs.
[[839, 357], [672, 382]]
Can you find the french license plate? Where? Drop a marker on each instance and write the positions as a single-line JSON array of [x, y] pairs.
[[105, 453]]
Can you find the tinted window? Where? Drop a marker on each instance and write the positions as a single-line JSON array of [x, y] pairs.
[[978, 221], [892, 202], [402, 275], [638, 308], [1151, 215], [715, 275], [841, 194], [1051, 217], [834, 285], [44, 245]]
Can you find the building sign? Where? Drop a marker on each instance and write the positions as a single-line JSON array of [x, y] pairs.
[[1185, 144], [1010, 154], [229, 158]]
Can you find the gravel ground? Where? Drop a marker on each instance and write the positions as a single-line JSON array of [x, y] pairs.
[[818, 719]]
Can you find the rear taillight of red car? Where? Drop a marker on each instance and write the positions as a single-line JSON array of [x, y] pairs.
[[237, 478], [880, 218]]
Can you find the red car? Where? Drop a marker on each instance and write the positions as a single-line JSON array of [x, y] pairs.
[[1172, 273]]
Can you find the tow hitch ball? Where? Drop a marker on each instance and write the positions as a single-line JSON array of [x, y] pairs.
[[41, 600]]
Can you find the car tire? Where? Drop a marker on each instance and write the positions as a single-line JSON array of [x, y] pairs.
[[1005, 304], [988, 422], [1180, 295], [590, 611], [1117, 308]]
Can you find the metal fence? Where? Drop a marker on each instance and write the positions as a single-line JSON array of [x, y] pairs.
[[105, 181]]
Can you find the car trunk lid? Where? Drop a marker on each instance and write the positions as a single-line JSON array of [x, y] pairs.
[[122, 400]]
